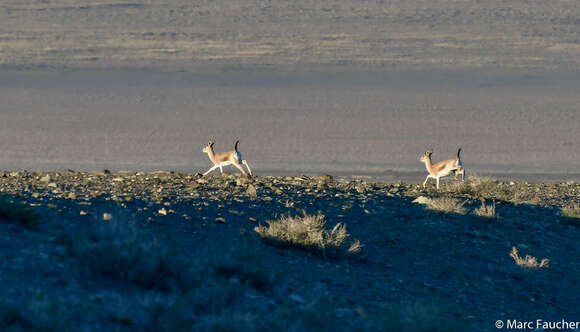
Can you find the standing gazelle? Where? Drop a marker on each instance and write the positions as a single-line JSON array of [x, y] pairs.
[[225, 158], [442, 168]]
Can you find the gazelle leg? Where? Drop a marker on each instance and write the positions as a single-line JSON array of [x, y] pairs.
[[437, 178], [247, 166], [240, 168], [427, 178], [221, 169], [209, 170]]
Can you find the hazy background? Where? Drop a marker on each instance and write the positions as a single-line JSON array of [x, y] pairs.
[[339, 87]]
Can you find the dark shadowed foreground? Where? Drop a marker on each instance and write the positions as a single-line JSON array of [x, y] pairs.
[[161, 251]]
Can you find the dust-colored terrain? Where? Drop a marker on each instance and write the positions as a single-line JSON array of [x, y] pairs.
[[177, 33], [346, 87]]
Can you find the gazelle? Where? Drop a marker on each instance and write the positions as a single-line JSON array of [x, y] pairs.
[[225, 158], [442, 168]]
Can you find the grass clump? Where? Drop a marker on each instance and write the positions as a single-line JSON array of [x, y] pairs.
[[571, 215], [446, 205], [528, 261], [492, 189], [309, 233], [486, 211], [571, 212], [11, 212]]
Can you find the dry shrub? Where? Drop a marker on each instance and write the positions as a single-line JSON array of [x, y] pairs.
[[446, 205], [485, 210], [528, 261], [572, 212], [571, 215], [490, 188], [309, 233]]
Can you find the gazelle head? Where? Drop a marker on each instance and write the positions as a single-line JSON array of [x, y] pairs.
[[426, 156], [209, 147]]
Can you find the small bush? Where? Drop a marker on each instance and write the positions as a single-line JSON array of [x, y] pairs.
[[572, 212], [446, 205], [485, 210], [529, 261], [490, 188], [571, 215], [19, 214], [308, 233]]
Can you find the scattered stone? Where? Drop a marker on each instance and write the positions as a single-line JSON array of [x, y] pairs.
[[422, 200], [162, 211], [107, 216], [251, 191], [324, 178], [220, 220], [240, 181]]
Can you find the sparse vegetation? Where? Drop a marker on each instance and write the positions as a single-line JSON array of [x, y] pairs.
[[572, 212], [491, 189], [529, 261], [485, 210], [446, 205], [19, 214], [309, 233]]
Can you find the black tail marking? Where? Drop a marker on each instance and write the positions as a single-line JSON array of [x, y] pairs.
[[458, 152], [236, 145]]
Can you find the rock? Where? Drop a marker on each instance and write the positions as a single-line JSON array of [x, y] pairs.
[[251, 191], [162, 211], [324, 178], [107, 217], [361, 189], [240, 181], [422, 200], [221, 220], [45, 179]]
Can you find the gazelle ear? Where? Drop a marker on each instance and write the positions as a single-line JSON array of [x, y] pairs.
[[429, 152]]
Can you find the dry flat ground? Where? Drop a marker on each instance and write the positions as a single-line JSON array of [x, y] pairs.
[[161, 251], [177, 33], [345, 87]]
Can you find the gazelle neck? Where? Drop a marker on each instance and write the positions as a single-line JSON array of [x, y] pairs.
[[211, 155], [428, 164]]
